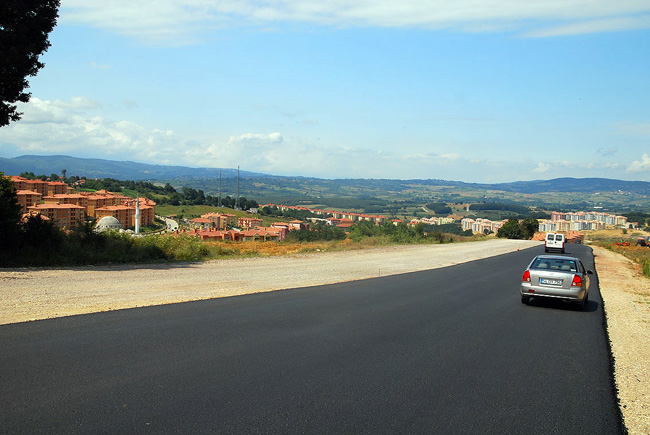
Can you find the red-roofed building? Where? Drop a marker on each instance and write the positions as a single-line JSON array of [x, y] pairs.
[[298, 225], [64, 216], [58, 188], [80, 200], [258, 235], [250, 222], [214, 234], [125, 212], [27, 198], [38, 186], [201, 223], [345, 223]]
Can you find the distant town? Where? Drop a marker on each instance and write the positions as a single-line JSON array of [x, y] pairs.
[[68, 208]]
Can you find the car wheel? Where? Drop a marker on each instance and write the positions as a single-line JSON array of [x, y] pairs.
[[583, 303], [525, 299]]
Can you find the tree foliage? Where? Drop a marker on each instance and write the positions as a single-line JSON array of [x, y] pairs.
[[9, 215], [514, 229], [511, 230], [439, 208], [515, 208], [529, 227], [318, 232], [24, 29]]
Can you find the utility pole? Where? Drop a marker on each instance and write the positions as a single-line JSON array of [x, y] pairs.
[[137, 214], [237, 201]]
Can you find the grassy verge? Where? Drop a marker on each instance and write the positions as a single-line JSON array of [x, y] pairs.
[[56, 249]]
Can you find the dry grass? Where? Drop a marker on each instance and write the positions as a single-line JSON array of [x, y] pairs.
[[639, 254], [272, 249]]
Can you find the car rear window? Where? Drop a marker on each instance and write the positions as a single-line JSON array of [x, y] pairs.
[[550, 237], [555, 264], [559, 237]]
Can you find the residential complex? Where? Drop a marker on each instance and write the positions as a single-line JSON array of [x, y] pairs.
[[354, 217], [559, 222], [433, 221], [56, 201], [580, 221], [481, 225], [345, 219]]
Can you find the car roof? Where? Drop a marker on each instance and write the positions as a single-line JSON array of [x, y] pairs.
[[557, 257]]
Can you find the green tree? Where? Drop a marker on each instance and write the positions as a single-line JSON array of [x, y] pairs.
[[9, 217], [511, 230], [24, 29], [529, 227]]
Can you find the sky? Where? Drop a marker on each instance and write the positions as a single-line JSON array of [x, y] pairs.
[[465, 90]]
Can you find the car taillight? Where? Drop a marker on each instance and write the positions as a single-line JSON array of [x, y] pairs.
[[577, 281], [526, 276]]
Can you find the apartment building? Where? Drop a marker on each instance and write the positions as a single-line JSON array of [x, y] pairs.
[[66, 198], [55, 200], [250, 222], [433, 221], [102, 198], [125, 213], [64, 216], [27, 198], [606, 218], [38, 186], [481, 225], [221, 221], [581, 221], [354, 217]]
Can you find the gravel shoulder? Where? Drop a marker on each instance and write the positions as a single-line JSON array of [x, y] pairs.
[[33, 294], [626, 296]]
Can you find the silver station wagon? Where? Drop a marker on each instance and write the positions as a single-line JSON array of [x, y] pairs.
[[555, 276]]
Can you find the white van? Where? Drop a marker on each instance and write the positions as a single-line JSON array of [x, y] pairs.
[[554, 242]]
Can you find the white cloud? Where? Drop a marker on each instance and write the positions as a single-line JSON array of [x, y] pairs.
[[77, 128], [541, 168], [610, 24], [256, 138], [607, 152], [640, 165], [635, 128], [98, 66], [73, 127], [184, 21]]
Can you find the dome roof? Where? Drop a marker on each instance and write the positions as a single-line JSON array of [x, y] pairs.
[[108, 223]]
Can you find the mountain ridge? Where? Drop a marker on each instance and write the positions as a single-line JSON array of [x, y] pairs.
[[128, 170]]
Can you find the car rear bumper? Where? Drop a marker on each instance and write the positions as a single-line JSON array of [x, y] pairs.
[[576, 294]]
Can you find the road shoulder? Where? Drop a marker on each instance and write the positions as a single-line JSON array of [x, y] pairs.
[[626, 295]]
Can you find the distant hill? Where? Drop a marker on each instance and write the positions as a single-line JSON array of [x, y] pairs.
[[300, 186], [586, 185], [99, 168]]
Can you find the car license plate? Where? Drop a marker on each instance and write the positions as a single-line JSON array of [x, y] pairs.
[[550, 281]]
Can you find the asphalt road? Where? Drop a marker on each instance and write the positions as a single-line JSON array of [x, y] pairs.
[[450, 350]]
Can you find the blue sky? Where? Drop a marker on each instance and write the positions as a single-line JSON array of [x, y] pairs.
[[487, 91]]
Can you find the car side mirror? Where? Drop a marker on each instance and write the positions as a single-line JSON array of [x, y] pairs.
[[590, 272]]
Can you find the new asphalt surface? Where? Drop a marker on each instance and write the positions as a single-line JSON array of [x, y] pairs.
[[449, 350]]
